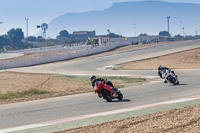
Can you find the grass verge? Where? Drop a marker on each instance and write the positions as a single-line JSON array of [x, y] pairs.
[[118, 81], [24, 93]]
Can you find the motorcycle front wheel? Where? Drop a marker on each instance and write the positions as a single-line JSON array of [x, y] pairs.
[[120, 96], [171, 79], [106, 95]]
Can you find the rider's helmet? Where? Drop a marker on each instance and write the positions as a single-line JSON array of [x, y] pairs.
[[160, 67], [92, 79]]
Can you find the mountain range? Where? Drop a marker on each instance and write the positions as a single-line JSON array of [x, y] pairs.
[[132, 19]]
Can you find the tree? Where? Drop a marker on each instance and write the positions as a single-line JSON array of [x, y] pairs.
[[164, 33], [40, 39], [64, 33], [113, 35], [4, 41], [31, 38], [143, 34], [16, 36], [178, 37]]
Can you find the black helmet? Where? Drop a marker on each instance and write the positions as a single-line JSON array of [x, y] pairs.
[[92, 79], [160, 67]]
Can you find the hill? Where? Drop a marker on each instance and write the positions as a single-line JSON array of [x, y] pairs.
[[149, 16]]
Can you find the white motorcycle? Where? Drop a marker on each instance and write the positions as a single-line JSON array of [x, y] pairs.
[[170, 77]]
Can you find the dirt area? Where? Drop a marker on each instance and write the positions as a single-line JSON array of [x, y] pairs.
[[185, 120], [183, 60], [57, 85], [177, 120]]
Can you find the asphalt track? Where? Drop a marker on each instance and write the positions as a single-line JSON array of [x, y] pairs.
[[33, 112]]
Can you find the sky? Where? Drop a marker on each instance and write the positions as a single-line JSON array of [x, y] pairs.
[[14, 12]]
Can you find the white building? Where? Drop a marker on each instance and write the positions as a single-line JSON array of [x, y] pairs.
[[103, 40]]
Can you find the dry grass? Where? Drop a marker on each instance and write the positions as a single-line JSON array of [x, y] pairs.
[[15, 84]]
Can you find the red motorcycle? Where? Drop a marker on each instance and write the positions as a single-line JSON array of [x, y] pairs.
[[107, 92]]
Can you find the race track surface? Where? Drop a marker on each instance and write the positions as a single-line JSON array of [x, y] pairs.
[[19, 114]]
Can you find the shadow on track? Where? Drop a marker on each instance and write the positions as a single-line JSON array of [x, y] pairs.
[[179, 84], [123, 100], [182, 84]]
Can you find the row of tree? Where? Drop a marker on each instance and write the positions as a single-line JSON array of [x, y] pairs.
[[13, 40]]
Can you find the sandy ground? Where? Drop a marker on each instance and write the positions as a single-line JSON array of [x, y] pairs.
[[182, 60], [177, 120], [58, 85], [185, 120]]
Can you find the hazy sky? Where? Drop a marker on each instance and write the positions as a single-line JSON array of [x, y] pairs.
[[14, 12]]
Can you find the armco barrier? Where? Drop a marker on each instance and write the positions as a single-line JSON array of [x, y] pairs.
[[6, 64]]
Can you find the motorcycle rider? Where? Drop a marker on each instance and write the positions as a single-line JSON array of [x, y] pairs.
[[160, 69], [93, 81]]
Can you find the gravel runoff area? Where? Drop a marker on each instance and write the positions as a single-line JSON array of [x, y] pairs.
[[177, 120]]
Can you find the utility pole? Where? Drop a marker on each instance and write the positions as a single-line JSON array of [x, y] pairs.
[[108, 29], [27, 26], [168, 17], [135, 29], [1, 22], [180, 27], [183, 32], [196, 32], [56, 31]]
